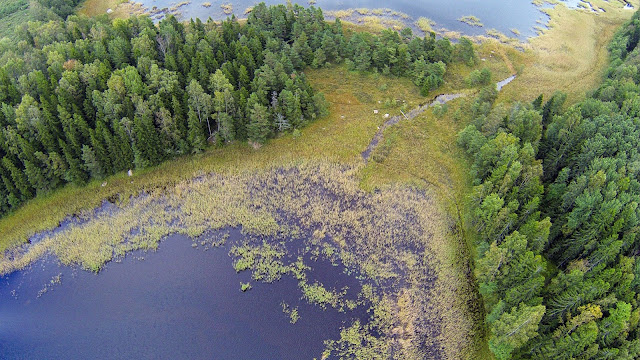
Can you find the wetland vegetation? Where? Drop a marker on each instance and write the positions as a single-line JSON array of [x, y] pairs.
[[137, 94], [471, 20], [501, 224]]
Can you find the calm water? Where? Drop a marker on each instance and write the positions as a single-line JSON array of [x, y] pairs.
[[185, 303], [494, 14], [177, 303]]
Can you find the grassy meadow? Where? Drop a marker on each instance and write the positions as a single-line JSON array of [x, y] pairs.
[[571, 56]]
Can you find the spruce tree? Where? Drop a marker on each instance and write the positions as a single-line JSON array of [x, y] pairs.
[[196, 136], [75, 172], [259, 127], [18, 178], [146, 142], [91, 163]]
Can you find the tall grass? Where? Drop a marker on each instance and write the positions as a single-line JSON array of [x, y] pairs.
[[425, 24], [471, 20], [559, 60], [385, 236]]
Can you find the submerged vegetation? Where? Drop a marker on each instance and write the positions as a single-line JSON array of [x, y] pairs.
[[386, 237], [471, 20], [425, 24], [549, 220]]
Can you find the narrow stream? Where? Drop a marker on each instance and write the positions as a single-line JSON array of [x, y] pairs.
[[440, 99], [501, 84]]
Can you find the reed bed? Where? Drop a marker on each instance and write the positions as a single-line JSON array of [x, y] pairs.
[[385, 236], [471, 20]]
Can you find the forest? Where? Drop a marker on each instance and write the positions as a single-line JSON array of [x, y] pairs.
[[85, 98], [17, 13], [554, 203], [555, 209]]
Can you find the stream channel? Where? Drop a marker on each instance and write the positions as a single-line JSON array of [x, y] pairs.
[[440, 99]]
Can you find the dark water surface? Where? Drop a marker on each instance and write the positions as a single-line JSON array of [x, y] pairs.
[[176, 303], [502, 15]]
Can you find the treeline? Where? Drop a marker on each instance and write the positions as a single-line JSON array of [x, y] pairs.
[[62, 8], [556, 197], [85, 98], [12, 6], [17, 13]]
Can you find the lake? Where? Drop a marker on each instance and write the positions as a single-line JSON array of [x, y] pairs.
[[186, 303], [176, 303], [504, 16]]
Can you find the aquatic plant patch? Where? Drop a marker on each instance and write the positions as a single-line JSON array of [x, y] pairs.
[[384, 236]]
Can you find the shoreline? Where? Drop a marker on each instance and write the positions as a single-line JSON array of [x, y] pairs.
[[377, 19], [249, 160]]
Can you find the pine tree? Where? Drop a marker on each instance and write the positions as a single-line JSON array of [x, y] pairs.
[[36, 177], [223, 103], [319, 58], [613, 326], [302, 51], [4, 199], [18, 178], [123, 141], [146, 142], [200, 102], [513, 329]]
